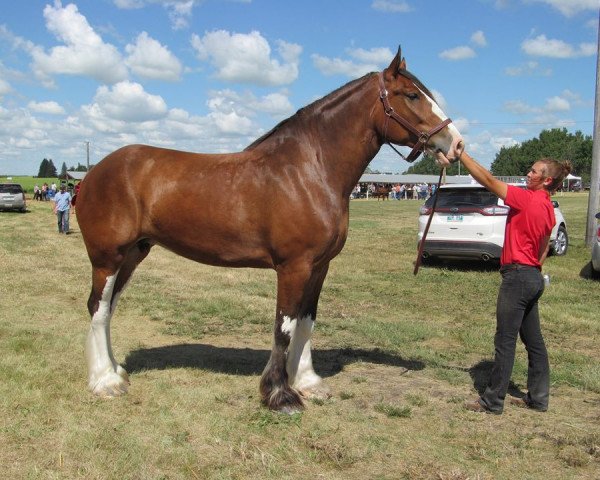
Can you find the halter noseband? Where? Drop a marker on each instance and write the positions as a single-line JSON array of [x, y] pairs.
[[422, 136]]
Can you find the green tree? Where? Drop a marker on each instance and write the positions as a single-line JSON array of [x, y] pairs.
[[556, 143], [428, 166], [51, 169], [63, 170], [43, 168]]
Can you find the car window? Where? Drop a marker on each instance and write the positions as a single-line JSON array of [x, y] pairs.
[[463, 197], [13, 189]]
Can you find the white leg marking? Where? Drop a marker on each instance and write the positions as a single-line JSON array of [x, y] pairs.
[[105, 376], [301, 374]]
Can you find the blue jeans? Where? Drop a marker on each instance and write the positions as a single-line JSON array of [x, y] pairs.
[[517, 314], [63, 221]]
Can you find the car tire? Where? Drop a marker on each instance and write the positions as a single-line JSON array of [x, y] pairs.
[[561, 242]]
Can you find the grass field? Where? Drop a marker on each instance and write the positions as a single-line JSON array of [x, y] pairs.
[[29, 182], [400, 353]]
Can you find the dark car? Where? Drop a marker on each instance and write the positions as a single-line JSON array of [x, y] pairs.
[[12, 197]]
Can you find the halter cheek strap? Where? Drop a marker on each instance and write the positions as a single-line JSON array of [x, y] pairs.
[[423, 137]]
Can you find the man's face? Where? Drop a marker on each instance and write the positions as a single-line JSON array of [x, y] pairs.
[[536, 176]]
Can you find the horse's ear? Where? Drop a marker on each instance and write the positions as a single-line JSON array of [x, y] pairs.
[[398, 63]]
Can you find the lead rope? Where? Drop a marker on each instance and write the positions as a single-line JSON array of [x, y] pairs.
[[422, 244]]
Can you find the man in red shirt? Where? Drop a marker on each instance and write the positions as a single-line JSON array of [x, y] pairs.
[[526, 242]]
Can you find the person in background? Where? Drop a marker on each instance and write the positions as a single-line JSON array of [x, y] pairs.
[[526, 243], [62, 205]]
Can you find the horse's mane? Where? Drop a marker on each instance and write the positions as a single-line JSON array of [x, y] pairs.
[[332, 96], [306, 111]]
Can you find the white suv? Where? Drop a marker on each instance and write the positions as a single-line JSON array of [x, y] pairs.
[[469, 223]]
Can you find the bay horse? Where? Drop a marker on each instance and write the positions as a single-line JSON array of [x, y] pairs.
[[287, 211], [382, 192]]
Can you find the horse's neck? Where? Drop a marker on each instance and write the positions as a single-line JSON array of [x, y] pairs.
[[347, 137]]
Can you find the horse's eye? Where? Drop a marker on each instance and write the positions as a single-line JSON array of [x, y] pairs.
[[412, 96]]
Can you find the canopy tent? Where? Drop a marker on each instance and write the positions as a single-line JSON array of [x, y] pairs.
[[571, 182]]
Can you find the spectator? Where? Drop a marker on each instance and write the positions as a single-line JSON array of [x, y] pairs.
[[62, 205]]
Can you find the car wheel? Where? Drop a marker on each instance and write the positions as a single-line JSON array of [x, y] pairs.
[[561, 243]]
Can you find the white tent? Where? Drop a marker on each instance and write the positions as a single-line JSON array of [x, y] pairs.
[[571, 182]]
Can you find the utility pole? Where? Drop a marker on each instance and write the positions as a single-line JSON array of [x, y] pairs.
[[87, 148], [595, 174]]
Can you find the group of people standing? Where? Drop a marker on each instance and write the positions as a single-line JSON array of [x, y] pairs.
[[409, 191], [417, 191], [45, 192]]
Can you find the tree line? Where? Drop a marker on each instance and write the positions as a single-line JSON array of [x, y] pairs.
[[556, 143], [48, 169]]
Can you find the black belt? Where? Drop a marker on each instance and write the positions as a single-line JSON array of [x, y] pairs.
[[516, 266]]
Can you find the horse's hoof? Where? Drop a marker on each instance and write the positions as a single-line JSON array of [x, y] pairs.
[[112, 384], [284, 400]]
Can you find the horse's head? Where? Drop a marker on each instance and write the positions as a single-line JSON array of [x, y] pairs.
[[419, 122]]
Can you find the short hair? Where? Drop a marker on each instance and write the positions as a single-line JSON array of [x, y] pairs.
[[555, 170]]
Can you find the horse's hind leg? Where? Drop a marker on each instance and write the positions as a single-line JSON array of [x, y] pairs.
[[105, 376], [290, 364]]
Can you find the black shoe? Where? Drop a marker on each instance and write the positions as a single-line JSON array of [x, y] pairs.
[[523, 403], [476, 406]]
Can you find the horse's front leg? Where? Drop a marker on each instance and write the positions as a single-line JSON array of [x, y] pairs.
[[299, 364], [290, 365]]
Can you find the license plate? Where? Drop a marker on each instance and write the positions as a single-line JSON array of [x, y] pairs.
[[454, 218]]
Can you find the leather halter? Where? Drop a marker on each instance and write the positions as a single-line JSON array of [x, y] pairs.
[[422, 136]]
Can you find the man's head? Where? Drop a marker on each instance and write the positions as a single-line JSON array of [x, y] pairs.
[[548, 174]]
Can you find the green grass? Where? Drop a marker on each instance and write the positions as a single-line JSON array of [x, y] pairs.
[[29, 182], [400, 352]]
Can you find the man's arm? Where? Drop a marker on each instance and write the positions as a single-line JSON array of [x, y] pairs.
[[483, 176], [544, 249]]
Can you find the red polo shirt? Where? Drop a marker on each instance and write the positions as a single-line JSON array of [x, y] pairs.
[[530, 220]]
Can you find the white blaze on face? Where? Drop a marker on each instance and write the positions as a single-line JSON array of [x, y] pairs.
[[447, 149]]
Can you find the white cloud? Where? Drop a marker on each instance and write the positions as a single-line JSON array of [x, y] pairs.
[[83, 52], [478, 39], [275, 104], [530, 68], [458, 53], [179, 11], [570, 8], [377, 56], [519, 107], [149, 59], [366, 61], [337, 66], [557, 104], [4, 87], [246, 58], [541, 46], [127, 102], [51, 108], [393, 6]]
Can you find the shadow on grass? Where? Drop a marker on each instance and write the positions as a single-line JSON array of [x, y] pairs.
[[248, 361], [588, 273], [462, 265], [481, 373]]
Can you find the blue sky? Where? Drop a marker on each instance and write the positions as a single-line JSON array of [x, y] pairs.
[[213, 75]]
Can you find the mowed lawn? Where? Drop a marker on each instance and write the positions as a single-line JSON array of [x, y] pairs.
[[400, 352]]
